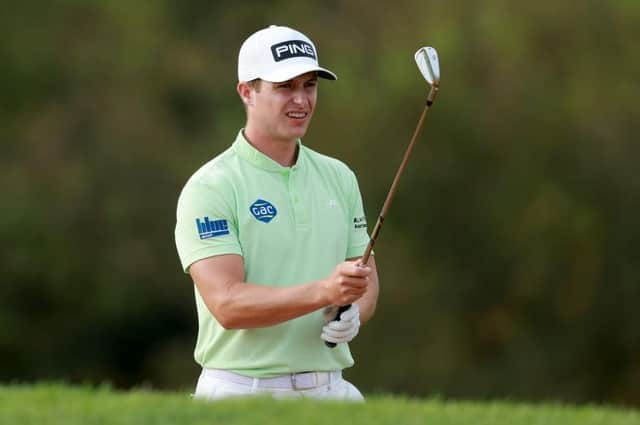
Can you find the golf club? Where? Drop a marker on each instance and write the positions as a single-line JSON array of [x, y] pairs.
[[427, 61]]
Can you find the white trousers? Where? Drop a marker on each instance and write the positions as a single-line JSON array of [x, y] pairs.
[[216, 384]]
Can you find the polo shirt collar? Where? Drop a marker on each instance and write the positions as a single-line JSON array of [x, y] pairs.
[[246, 151]]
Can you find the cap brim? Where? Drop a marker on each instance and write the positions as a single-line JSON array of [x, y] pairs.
[[293, 71]]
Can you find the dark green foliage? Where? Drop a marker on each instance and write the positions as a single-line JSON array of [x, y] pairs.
[[509, 262]]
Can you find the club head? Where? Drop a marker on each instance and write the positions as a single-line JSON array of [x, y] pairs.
[[427, 60]]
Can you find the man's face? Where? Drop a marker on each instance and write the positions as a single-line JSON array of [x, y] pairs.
[[282, 111]]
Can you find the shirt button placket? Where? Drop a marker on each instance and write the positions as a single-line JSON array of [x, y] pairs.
[[296, 187], [292, 193]]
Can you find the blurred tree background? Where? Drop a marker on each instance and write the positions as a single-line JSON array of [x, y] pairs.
[[510, 262]]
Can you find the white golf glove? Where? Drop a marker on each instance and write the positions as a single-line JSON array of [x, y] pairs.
[[345, 329]]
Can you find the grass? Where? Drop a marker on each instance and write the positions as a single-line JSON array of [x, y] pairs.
[[58, 404]]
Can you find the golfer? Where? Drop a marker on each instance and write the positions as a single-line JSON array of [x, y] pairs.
[[271, 233]]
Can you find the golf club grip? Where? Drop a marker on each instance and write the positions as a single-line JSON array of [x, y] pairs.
[[340, 311]]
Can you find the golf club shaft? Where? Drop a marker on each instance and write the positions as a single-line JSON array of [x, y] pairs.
[[391, 194], [396, 180]]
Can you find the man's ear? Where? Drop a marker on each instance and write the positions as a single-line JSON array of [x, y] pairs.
[[246, 93]]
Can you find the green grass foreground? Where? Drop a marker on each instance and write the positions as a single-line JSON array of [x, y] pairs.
[[65, 405]]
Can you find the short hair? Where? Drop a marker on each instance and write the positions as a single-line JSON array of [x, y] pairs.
[[255, 84]]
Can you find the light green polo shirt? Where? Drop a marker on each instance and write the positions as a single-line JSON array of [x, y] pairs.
[[291, 225]]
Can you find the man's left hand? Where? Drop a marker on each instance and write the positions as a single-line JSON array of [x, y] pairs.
[[345, 329]]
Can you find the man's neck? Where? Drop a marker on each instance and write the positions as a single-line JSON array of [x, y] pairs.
[[284, 152]]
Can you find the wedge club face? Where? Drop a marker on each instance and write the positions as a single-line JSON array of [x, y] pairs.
[[427, 60]]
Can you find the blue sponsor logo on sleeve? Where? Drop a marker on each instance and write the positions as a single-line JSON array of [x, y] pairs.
[[263, 211], [211, 228]]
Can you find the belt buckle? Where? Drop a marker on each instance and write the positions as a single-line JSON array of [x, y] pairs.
[[294, 381]]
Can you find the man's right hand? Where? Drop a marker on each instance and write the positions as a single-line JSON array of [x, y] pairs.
[[347, 283]]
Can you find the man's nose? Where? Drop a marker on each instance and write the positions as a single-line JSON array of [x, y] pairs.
[[299, 97]]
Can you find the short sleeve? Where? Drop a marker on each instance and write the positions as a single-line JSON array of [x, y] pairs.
[[206, 223], [358, 236]]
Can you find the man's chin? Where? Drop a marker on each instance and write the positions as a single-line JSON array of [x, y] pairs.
[[298, 133]]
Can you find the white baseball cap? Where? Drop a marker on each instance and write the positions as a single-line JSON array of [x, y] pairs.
[[278, 54]]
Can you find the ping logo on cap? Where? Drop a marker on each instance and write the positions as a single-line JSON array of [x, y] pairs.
[[292, 49], [263, 211]]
